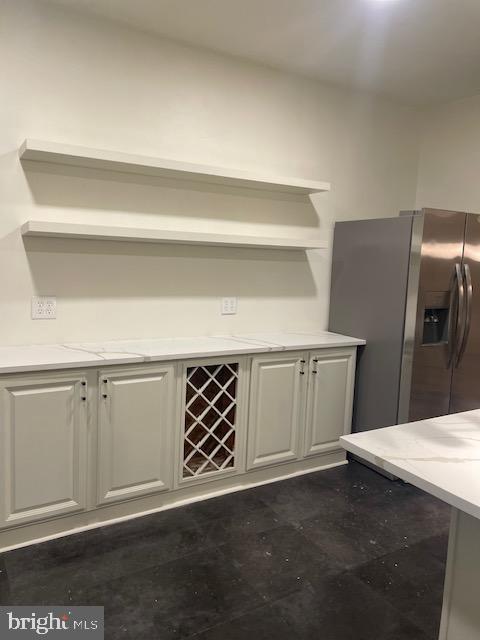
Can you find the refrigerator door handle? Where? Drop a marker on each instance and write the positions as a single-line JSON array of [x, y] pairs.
[[468, 313], [456, 303]]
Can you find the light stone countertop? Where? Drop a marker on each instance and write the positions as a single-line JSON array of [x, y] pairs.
[[439, 455], [16, 359]]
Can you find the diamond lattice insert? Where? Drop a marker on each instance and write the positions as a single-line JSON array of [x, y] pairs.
[[210, 410]]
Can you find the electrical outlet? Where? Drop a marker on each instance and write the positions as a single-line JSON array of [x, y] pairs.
[[44, 307], [229, 306]]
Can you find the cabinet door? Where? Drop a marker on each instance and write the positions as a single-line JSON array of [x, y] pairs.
[[277, 398], [330, 398], [44, 438], [134, 439]]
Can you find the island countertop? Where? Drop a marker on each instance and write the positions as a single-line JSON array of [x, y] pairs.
[[439, 455], [24, 358]]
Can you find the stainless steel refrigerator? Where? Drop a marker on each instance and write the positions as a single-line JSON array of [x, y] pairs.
[[411, 287]]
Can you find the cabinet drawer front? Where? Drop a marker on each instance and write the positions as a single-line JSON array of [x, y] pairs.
[[44, 448], [135, 423], [330, 400], [276, 399]]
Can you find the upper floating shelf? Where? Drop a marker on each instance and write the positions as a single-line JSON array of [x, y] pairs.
[[37, 228], [73, 155]]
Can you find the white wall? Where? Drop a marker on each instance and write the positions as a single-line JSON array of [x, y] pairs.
[[449, 164], [73, 79]]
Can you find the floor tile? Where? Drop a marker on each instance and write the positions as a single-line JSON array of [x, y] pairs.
[[414, 519], [357, 482], [231, 505], [435, 546], [354, 532], [298, 498], [278, 561], [320, 614], [54, 569], [343, 607], [349, 536], [233, 529], [263, 623], [175, 599], [410, 581]]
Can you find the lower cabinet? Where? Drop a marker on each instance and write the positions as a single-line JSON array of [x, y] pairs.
[[277, 398], [43, 443], [300, 404], [330, 399], [134, 432], [74, 441]]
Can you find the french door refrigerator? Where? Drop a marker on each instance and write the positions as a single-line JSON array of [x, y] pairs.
[[411, 287]]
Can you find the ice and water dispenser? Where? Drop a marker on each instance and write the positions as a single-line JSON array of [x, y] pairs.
[[435, 318], [435, 326]]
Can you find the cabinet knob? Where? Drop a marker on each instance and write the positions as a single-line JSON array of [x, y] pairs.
[[105, 381], [84, 383], [104, 395], [84, 398]]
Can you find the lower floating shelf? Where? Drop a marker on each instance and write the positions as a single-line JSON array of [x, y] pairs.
[[36, 228]]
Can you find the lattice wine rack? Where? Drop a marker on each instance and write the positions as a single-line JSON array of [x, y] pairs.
[[210, 412]]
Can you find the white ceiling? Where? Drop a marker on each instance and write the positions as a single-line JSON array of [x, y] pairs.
[[418, 51]]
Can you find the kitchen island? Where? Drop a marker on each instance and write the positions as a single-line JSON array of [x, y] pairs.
[[442, 457]]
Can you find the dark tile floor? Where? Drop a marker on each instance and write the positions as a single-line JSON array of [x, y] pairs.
[[343, 554]]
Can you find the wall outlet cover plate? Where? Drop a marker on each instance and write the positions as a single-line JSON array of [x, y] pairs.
[[44, 307], [229, 306]]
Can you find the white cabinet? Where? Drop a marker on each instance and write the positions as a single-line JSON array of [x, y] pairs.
[[300, 404], [72, 441], [330, 397], [134, 432], [43, 438], [277, 398]]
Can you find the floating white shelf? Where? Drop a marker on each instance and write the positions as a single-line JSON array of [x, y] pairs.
[[37, 228], [57, 153]]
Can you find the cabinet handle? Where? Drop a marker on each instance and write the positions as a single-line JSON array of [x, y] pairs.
[[302, 367], [314, 370]]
